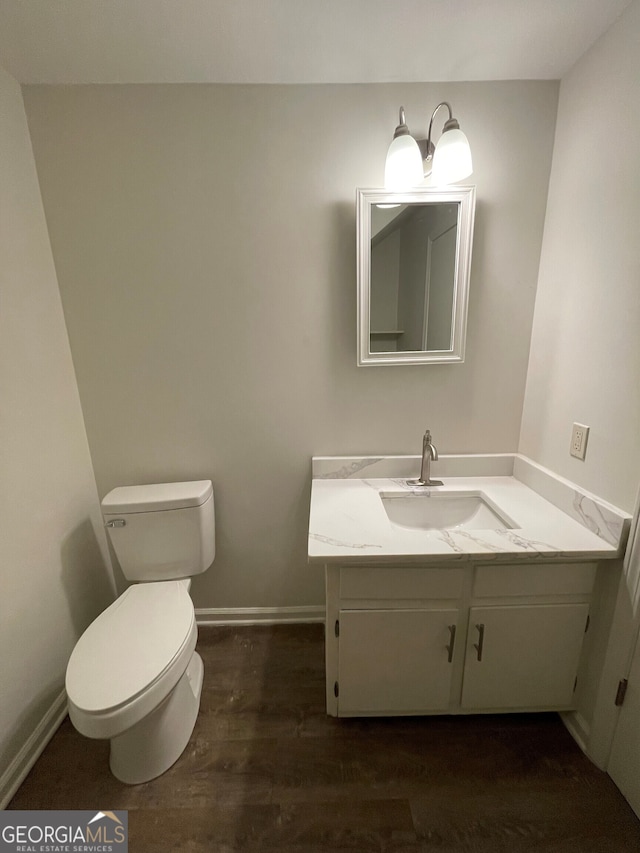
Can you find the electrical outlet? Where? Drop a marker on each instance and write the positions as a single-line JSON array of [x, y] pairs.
[[579, 436]]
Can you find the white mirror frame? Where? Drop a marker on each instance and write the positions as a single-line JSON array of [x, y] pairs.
[[365, 198]]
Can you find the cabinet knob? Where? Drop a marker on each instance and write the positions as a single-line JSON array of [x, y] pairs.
[[479, 645]]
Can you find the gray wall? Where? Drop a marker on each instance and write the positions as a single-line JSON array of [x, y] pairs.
[[204, 239], [585, 348], [385, 274], [585, 353], [52, 545], [412, 284]]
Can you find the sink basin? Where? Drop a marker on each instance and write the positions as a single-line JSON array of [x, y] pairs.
[[444, 511]]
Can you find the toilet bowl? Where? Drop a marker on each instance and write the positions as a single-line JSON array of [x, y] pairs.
[[134, 676]]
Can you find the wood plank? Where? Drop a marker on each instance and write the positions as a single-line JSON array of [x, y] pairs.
[[266, 769]]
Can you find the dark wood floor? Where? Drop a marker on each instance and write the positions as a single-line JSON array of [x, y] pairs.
[[267, 770]]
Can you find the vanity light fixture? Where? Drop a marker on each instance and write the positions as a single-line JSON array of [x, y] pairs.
[[410, 161]]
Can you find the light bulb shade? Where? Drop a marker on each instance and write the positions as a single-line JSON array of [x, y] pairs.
[[452, 158], [403, 169]]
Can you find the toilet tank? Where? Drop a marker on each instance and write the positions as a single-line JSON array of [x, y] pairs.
[[162, 531]]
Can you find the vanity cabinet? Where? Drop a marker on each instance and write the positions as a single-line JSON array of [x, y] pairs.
[[464, 639]]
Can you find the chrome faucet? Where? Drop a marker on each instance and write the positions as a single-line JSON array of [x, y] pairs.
[[429, 454]]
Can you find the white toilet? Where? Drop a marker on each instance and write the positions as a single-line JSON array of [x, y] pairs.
[[134, 676]]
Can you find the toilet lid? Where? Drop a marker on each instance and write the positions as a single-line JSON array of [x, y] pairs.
[[129, 645]]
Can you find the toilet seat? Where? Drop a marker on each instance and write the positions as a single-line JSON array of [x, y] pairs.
[[130, 658]]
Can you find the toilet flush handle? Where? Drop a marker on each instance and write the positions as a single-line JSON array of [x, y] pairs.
[[115, 522]]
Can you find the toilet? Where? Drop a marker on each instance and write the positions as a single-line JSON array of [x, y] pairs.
[[134, 676]]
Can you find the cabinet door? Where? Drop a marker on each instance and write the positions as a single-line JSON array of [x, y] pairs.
[[523, 657], [395, 661]]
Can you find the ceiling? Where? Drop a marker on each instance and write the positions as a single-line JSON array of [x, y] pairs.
[[296, 41]]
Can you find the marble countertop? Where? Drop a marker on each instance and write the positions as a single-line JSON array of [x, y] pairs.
[[348, 524]]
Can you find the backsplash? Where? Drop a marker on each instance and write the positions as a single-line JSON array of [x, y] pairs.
[[598, 516]]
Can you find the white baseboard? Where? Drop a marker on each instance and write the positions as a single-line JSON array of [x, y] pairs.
[[259, 615], [577, 727], [16, 772]]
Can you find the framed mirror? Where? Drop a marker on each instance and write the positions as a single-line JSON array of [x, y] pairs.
[[414, 259]]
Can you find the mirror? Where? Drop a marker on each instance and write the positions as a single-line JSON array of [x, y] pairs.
[[414, 258]]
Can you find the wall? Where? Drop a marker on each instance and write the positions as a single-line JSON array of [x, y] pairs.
[[384, 280], [585, 349], [412, 284], [204, 239], [52, 571]]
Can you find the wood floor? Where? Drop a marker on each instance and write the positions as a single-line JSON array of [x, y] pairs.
[[267, 770]]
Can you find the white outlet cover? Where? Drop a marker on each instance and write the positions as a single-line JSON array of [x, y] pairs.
[[579, 436]]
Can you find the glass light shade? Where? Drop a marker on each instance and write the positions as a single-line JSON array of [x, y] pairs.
[[452, 158], [403, 169]]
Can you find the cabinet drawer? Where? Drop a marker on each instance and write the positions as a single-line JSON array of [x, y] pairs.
[[549, 579], [389, 583]]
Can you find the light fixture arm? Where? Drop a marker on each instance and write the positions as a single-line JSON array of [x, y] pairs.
[[401, 129], [426, 145]]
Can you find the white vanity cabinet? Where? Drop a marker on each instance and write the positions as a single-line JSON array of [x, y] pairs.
[[454, 639]]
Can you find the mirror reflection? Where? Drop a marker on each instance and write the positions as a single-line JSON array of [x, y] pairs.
[[413, 266], [414, 252]]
